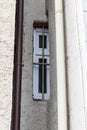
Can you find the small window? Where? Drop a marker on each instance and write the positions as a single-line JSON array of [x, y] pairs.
[[41, 65]]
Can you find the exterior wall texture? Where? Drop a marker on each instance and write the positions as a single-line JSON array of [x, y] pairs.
[[41, 115], [7, 22], [53, 117], [33, 113]]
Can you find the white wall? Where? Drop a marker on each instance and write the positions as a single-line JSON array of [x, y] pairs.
[[76, 63], [7, 22], [85, 17], [85, 25]]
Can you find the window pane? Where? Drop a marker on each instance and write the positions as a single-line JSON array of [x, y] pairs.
[[45, 77], [40, 41], [45, 41], [40, 77]]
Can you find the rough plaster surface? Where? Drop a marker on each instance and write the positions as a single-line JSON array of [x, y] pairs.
[[7, 15], [33, 113], [53, 119]]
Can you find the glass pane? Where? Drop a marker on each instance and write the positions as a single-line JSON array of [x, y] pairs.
[[45, 77], [40, 41], [45, 41], [40, 77]]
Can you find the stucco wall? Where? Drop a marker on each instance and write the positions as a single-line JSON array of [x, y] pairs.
[[7, 22], [53, 117], [33, 113]]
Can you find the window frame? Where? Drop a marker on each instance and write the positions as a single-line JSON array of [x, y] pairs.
[[37, 50]]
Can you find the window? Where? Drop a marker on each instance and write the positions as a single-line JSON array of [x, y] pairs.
[[41, 65]]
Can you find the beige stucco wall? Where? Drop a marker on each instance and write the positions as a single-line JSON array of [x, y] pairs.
[[7, 22], [33, 113]]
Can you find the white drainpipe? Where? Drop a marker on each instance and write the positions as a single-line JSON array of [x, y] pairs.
[[60, 59]]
